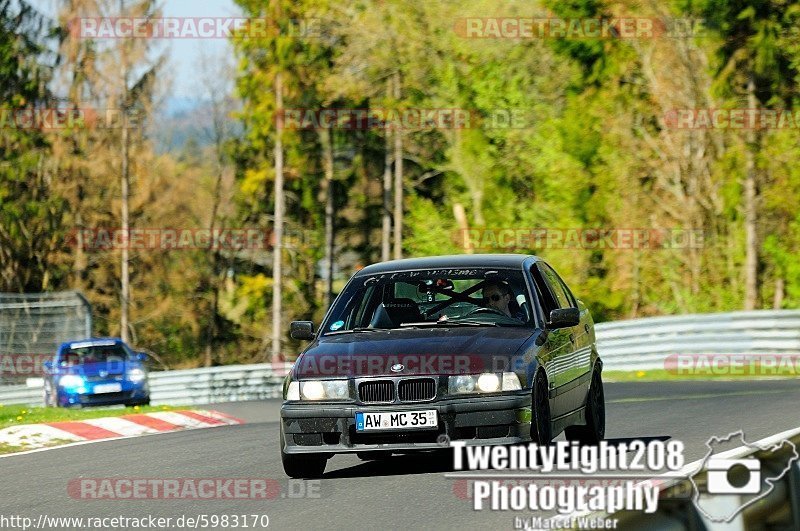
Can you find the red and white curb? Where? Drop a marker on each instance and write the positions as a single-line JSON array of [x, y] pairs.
[[34, 436]]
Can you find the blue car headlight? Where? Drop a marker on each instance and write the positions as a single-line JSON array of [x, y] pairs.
[[136, 375], [70, 380]]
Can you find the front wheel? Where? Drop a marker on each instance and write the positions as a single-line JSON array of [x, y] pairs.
[[541, 429], [595, 429]]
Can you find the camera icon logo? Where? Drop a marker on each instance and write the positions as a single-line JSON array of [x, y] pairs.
[[730, 479], [733, 476]]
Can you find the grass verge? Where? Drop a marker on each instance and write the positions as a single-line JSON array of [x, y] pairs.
[[15, 415], [661, 375]]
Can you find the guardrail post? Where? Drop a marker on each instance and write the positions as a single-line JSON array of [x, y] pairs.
[[794, 494]]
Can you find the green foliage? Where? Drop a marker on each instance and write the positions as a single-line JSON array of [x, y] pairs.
[[591, 148]]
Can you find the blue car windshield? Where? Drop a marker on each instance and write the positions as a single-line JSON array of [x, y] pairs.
[[93, 354]]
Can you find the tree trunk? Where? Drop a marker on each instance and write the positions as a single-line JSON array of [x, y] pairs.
[[218, 131], [398, 180], [460, 214], [386, 227], [278, 228], [327, 159], [212, 331], [780, 285], [750, 214], [125, 224]]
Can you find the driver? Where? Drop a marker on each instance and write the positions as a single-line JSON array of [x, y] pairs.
[[498, 295]]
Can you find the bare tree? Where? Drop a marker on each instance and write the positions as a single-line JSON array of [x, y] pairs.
[[326, 139], [278, 228], [386, 226], [750, 208], [217, 73], [398, 179]]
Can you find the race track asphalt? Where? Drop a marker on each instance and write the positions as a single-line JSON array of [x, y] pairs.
[[403, 492]]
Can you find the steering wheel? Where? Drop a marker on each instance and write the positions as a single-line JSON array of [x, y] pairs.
[[484, 309]]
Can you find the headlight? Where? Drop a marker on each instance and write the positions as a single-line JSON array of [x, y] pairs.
[[323, 389], [461, 384], [511, 382], [136, 375], [292, 391], [487, 382], [312, 390], [70, 380]]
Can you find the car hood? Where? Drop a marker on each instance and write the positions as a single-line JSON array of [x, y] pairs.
[[100, 369], [419, 351]]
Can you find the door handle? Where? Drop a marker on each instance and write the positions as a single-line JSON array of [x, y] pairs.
[[586, 327], [572, 337]]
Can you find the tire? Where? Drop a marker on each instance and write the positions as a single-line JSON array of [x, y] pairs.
[[595, 429], [302, 466], [541, 429]]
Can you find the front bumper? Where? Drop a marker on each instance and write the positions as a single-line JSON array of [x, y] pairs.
[[481, 420], [130, 394]]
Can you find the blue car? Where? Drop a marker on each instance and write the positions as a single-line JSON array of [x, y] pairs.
[[96, 372]]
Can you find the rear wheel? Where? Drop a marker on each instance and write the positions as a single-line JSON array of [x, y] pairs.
[[595, 429], [302, 466], [541, 430]]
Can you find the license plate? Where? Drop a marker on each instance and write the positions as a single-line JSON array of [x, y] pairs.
[[107, 388], [401, 420]]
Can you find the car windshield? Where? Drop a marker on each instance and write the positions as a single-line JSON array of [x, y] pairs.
[[431, 298], [93, 354]]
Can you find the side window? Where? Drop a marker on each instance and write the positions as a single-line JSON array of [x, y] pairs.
[[560, 291], [543, 293]]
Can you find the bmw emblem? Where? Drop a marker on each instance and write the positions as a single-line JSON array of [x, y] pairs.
[[103, 374], [397, 367]]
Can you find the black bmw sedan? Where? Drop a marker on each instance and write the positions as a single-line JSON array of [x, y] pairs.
[[485, 349]]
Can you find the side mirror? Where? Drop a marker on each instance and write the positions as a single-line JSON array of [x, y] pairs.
[[141, 356], [301, 330], [48, 367], [564, 317]]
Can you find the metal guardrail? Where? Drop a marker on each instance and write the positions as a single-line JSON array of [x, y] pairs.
[[637, 344], [32, 325], [191, 386], [778, 509], [644, 344]]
